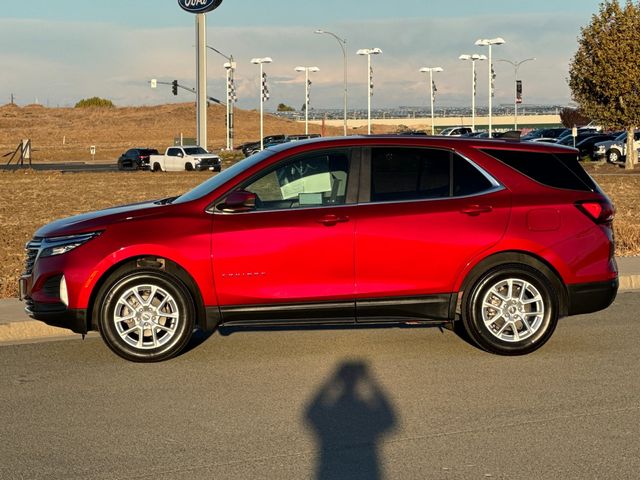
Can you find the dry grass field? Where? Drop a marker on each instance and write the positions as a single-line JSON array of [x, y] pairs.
[[30, 199], [65, 134]]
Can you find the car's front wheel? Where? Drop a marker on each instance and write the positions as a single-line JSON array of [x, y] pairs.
[[146, 316], [613, 156], [510, 310]]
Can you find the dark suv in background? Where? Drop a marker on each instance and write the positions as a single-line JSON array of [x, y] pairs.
[[136, 159]]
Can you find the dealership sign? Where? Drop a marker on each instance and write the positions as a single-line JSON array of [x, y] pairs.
[[199, 6]]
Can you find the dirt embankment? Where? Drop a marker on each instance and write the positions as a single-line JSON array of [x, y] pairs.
[[65, 134]]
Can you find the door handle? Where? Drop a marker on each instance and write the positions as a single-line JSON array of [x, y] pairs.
[[474, 210], [330, 220]]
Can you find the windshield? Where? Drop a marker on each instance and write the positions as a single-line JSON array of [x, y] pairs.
[[223, 177], [194, 150]]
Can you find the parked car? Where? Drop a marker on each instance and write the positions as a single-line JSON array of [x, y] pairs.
[[136, 159], [568, 140], [249, 148], [456, 131], [585, 146], [181, 158], [285, 139], [500, 237], [544, 134], [567, 137], [615, 150]]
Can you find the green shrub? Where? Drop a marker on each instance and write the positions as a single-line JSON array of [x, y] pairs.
[[95, 102]]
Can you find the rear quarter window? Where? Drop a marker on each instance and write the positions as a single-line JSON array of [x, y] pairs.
[[558, 170]]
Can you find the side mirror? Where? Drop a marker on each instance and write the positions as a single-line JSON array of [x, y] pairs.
[[180, 154], [238, 202]]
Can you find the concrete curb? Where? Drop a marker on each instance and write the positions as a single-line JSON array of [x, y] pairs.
[[629, 282], [23, 331]]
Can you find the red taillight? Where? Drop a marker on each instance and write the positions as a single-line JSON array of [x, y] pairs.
[[599, 212]]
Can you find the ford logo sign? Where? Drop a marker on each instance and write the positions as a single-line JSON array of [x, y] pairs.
[[199, 6]]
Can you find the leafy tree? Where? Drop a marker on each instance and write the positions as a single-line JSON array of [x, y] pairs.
[[285, 108], [604, 72], [95, 102], [573, 117]]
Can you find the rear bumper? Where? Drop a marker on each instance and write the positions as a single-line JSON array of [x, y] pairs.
[[57, 315], [591, 297]]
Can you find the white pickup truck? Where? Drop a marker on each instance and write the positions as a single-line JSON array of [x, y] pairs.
[[177, 159]]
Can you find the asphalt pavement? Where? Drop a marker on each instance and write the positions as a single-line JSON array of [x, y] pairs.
[[66, 167], [396, 403]]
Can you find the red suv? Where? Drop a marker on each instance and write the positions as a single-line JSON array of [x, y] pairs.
[[502, 236]]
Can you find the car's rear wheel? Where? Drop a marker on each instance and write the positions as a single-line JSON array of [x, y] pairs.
[[510, 310], [146, 316], [156, 167]]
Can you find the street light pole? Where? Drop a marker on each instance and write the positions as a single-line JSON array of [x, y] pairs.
[[430, 71], [368, 52], [306, 71], [230, 67], [261, 62], [201, 79], [343, 45], [474, 58], [489, 42], [516, 66]]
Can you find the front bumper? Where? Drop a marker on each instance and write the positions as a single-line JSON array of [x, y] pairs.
[[591, 297], [207, 165], [57, 315]]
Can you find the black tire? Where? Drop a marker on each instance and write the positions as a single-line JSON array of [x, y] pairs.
[[120, 165], [156, 167], [158, 337], [188, 167], [614, 156], [499, 337]]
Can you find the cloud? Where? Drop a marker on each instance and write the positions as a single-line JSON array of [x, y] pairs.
[[64, 61]]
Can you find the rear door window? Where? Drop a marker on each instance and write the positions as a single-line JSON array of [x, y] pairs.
[[400, 174], [559, 170]]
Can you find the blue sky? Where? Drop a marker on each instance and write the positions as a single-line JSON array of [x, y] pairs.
[[63, 50]]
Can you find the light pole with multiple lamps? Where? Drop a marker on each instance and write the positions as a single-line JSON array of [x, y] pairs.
[[516, 66], [261, 62], [306, 71], [489, 42], [474, 58], [368, 52], [430, 71], [230, 67], [343, 45]]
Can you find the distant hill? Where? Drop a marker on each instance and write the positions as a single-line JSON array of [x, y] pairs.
[[65, 134]]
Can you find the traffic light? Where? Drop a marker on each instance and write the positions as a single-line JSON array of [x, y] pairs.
[[174, 87]]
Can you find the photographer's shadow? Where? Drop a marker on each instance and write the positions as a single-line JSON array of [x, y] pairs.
[[349, 416]]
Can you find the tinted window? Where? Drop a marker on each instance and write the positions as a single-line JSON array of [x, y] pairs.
[[559, 170], [420, 173], [194, 150], [467, 179], [315, 179], [173, 152]]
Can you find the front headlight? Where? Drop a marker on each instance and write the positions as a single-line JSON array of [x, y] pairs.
[[59, 245]]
